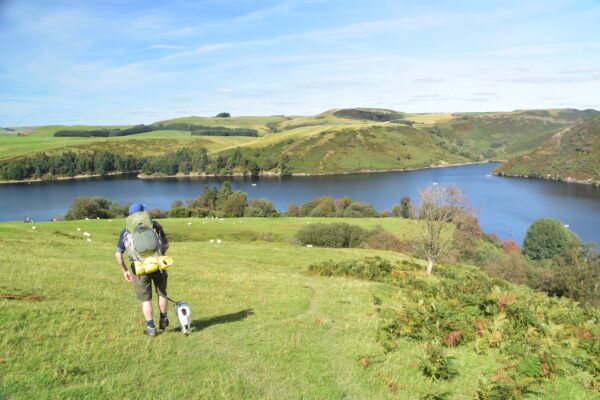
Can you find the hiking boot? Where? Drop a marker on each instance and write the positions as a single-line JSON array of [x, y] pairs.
[[163, 323], [150, 332]]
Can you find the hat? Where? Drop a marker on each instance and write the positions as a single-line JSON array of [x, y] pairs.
[[136, 207]]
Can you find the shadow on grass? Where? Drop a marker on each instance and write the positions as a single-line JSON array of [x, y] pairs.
[[200, 324]]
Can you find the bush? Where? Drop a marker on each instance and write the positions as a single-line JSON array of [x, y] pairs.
[[436, 364], [332, 235], [370, 268], [94, 207], [261, 208], [360, 210], [510, 266], [547, 238], [384, 240]]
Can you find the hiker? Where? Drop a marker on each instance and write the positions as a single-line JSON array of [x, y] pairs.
[[142, 232]]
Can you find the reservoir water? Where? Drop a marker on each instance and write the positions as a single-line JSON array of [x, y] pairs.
[[507, 206]]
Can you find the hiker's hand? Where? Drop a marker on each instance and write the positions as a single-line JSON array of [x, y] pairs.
[[127, 275]]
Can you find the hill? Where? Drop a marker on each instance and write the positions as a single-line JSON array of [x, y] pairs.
[[572, 154], [264, 326], [338, 140], [502, 135]]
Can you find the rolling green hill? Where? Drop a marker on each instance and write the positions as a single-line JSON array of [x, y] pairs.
[[502, 135], [572, 154], [266, 328], [338, 140]]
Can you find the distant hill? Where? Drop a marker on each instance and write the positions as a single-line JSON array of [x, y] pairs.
[[570, 154], [506, 134], [335, 141]]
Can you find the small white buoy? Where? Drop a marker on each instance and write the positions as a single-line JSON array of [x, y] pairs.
[[309, 245], [33, 227], [78, 229], [435, 183], [87, 234], [254, 184], [212, 241], [489, 175], [219, 241], [566, 226]]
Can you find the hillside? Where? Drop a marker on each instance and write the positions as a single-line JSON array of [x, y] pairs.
[[352, 149], [502, 135], [571, 154], [338, 140], [264, 327]]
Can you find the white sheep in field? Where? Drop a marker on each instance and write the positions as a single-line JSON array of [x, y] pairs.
[[33, 227], [78, 229], [309, 245], [189, 223], [89, 240], [212, 241], [87, 234], [219, 241]]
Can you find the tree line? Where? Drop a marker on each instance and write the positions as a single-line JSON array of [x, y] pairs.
[[183, 161], [196, 130]]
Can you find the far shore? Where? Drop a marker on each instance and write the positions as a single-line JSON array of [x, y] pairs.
[[590, 181], [238, 174]]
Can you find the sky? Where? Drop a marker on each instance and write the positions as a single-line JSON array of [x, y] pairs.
[[141, 61]]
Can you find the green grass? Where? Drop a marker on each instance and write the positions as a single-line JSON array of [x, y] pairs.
[[263, 327]]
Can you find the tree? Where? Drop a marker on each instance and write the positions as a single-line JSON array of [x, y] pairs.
[[223, 115], [438, 207], [293, 210], [405, 207], [235, 204], [224, 194], [547, 238]]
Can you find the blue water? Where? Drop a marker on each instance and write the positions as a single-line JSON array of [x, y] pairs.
[[507, 206]]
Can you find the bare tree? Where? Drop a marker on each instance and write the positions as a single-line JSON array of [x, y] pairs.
[[439, 206]]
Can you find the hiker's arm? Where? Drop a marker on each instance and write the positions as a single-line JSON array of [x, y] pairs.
[[126, 274]]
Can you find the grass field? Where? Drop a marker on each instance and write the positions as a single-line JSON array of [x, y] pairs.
[[263, 327]]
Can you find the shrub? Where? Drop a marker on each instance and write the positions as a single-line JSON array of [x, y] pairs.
[[332, 235], [293, 210], [94, 207], [261, 208], [370, 268], [547, 238], [383, 240], [360, 210], [436, 364], [509, 266]]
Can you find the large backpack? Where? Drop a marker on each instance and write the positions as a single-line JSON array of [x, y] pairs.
[[143, 240]]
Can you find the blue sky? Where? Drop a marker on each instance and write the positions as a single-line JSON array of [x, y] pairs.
[[114, 62]]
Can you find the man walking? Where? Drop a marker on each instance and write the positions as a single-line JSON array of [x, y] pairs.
[[132, 239]]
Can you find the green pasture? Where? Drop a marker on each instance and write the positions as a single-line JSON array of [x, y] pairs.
[[263, 328]]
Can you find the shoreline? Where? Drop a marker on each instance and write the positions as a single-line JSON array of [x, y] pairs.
[[239, 174], [588, 182]]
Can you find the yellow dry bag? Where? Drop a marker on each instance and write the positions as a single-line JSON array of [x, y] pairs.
[[152, 264]]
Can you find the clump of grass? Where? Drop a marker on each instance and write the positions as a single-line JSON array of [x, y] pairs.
[[370, 268]]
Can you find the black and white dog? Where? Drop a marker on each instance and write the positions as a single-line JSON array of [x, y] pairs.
[[184, 314]]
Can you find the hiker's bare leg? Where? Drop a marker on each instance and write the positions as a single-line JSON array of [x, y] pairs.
[[147, 310], [163, 303]]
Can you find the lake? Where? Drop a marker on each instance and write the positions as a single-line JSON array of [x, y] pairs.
[[507, 206]]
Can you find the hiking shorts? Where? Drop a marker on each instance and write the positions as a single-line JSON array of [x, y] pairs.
[[143, 285]]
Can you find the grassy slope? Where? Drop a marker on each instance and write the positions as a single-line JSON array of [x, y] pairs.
[[356, 148], [517, 132], [263, 328], [344, 147], [571, 153]]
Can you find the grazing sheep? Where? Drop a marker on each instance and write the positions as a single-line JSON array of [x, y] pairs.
[[219, 241], [78, 229], [87, 234], [212, 241], [309, 245], [33, 227]]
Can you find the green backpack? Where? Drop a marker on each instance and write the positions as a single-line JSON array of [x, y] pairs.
[[143, 239]]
